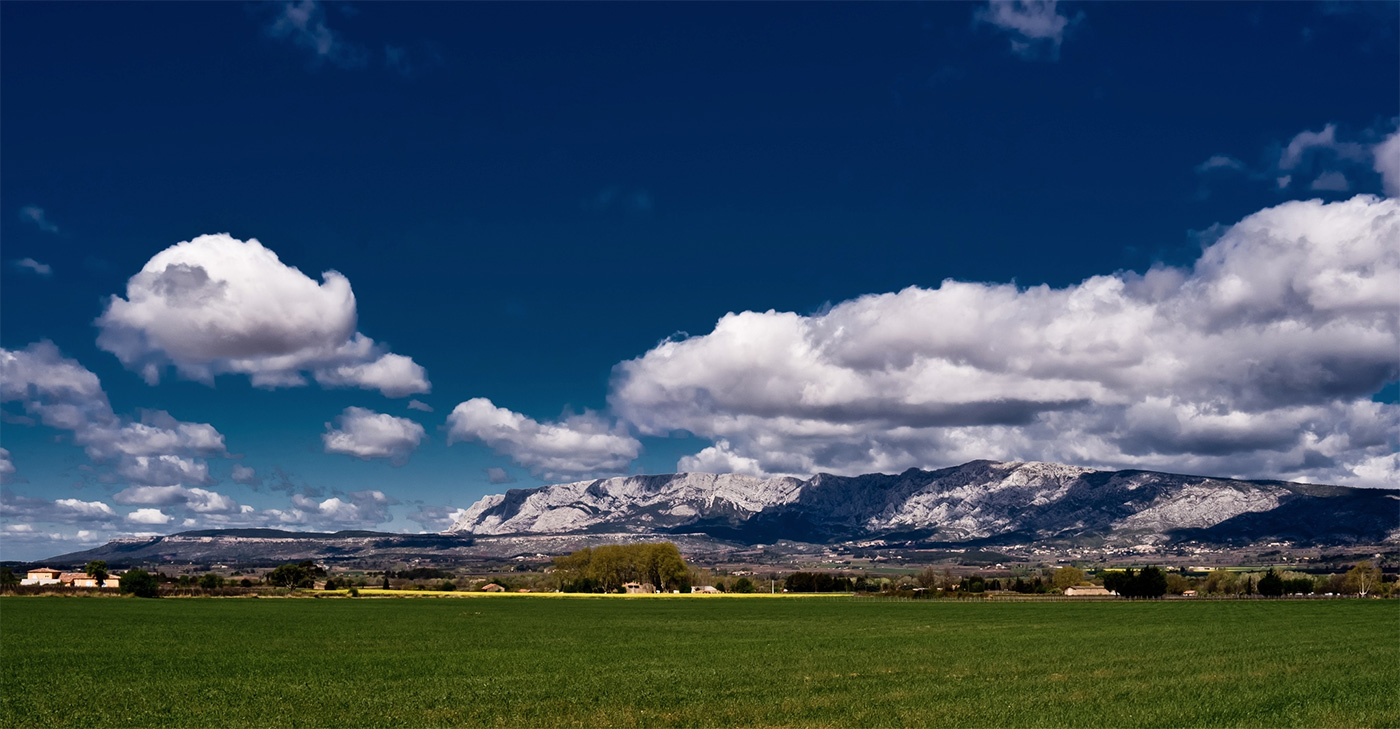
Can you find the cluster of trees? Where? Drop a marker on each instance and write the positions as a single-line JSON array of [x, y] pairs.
[[1149, 582], [609, 567], [299, 575], [1362, 579], [817, 582]]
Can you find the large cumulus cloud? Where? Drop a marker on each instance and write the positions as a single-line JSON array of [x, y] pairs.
[[217, 305], [1259, 360]]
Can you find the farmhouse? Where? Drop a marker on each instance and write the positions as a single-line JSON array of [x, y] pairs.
[[639, 588], [41, 576], [705, 589], [47, 576], [492, 587], [1088, 591], [82, 579]]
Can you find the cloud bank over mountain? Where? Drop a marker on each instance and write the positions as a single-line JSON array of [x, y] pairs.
[[1261, 359]]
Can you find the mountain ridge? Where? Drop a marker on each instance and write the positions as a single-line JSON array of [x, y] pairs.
[[979, 501]]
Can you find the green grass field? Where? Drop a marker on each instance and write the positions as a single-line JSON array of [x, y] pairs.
[[524, 661]]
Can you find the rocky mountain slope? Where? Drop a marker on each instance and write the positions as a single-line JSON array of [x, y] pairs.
[[979, 502]]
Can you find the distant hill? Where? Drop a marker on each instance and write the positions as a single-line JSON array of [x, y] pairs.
[[269, 547]]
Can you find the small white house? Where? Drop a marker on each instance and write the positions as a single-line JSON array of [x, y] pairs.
[[704, 589]]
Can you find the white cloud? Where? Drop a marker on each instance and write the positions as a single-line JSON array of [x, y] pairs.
[[720, 458], [61, 392], [416, 404], [392, 374], [163, 470], [197, 500], [1315, 162], [157, 450], [1220, 162], [576, 446], [217, 305], [84, 510], [7, 466], [1259, 361], [61, 511], [358, 509], [148, 516], [437, 518], [1330, 181], [35, 215], [367, 434], [498, 475], [29, 264], [1306, 143], [1035, 27], [245, 475], [1387, 163], [303, 24]]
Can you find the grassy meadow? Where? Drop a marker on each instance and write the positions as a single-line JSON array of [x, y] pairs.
[[525, 661]]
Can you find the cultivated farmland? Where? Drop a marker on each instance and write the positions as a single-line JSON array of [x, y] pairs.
[[526, 661]]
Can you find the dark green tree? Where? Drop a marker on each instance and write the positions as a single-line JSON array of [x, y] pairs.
[[1115, 581], [1298, 586], [211, 581], [1150, 583], [7, 577], [97, 569], [301, 575], [744, 586], [1271, 585], [140, 583]]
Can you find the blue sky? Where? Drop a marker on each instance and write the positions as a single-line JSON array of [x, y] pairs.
[[573, 240]]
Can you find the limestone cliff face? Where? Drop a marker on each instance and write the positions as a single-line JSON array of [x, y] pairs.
[[975, 501]]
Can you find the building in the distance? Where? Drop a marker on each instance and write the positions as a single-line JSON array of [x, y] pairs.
[[42, 576], [48, 576]]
